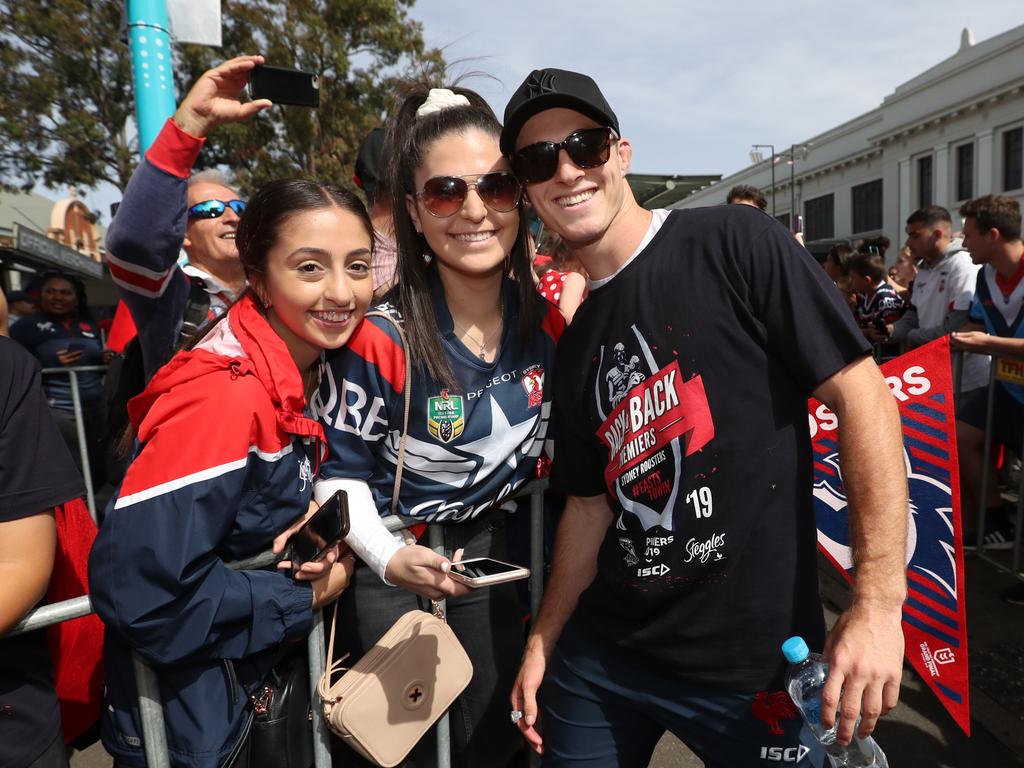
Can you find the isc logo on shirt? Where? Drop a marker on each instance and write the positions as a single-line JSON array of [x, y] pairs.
[[655, 570], [785, 755]]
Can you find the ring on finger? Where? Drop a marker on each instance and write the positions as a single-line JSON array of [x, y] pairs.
[[515, 715]]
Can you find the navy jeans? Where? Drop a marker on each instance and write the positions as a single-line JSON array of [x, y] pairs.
[[488, 623], [598, 710]]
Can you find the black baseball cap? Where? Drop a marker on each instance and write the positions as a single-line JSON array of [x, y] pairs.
[[369, 160], [550, 88]]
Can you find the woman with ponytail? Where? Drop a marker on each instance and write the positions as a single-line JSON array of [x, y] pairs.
[[481, 348]]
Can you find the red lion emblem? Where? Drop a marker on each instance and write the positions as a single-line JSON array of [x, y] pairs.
[[771, 708]]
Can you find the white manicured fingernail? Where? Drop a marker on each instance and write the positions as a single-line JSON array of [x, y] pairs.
[[445, 566]]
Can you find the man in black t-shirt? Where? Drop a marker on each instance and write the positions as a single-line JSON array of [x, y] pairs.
[[36, 474], [686, 553]]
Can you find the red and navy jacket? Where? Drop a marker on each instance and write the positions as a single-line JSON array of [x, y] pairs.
[[225, 463], [466, 450], [144, 242]]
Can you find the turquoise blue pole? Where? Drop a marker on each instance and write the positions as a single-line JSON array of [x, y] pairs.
[[150, 44]]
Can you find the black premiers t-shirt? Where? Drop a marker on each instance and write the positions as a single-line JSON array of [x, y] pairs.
[[695, 363], [36, 474]]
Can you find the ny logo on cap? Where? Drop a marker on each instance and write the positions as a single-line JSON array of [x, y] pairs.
[[541, 81]]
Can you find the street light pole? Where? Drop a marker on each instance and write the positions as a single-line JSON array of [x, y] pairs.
[[792, 181], [792, 188], [772, 148]]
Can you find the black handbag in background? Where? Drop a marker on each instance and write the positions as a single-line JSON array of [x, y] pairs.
[[279, 732]]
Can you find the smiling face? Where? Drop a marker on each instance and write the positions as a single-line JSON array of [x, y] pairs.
[[58, 298], [578, 204], [474, 240], [317, 283], [210, 242]]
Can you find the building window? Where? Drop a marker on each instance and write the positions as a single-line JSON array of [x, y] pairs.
[[819, 218], [1013, 159], [867, 206], [783, 218], [965, 172], [924, 182]]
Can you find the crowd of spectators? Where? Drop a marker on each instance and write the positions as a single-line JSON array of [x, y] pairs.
[[253, 367]]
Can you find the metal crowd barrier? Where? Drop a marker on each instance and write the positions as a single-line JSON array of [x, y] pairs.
[[83, 444], [1015, 565], [154, 734]]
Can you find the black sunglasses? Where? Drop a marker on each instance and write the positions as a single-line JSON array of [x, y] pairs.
[[444, 196], [587, 148], [214, 209]]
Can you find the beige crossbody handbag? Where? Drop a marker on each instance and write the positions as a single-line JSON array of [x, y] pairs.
[[385, 703]]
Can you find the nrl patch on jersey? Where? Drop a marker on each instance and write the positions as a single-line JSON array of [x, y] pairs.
[[445, 416]]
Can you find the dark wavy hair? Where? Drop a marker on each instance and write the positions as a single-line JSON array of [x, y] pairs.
[[995, 212], [277, 202], [406, 143]]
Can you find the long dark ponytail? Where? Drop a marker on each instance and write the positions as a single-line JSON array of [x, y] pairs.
[[407, 140]]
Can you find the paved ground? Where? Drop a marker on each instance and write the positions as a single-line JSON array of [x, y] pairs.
[[918, 732]]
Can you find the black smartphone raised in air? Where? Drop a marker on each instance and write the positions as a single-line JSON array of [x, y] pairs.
[[285, 86], [324, 529]]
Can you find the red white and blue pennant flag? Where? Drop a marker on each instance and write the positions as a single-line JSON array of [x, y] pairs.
[[934, 620]]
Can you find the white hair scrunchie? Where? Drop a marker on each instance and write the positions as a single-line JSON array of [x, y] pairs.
[[439, 99]]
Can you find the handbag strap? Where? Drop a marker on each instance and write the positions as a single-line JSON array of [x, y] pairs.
[[405, 415], [332, 665], [436, 606], [323, 687]]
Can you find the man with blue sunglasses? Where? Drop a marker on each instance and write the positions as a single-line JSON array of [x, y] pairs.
[[166, 209]]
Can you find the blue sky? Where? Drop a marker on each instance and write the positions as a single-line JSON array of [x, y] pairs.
[[695, 84]]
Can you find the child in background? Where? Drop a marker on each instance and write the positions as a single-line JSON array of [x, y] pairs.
[[878, 304]]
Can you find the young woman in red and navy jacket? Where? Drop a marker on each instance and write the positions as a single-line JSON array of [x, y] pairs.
[[481, 347], [225, 462]]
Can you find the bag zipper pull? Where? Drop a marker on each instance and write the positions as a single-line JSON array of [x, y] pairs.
[[261, 702]]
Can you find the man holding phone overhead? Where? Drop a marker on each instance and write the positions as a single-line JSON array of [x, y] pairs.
[[164, 211], [686, 553]]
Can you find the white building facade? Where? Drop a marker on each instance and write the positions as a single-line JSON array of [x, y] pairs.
[[950, 134]]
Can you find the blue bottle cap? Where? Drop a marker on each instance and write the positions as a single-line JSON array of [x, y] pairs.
[[795, 650]]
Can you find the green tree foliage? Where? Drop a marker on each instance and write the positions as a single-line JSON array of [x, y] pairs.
[[65, 94], [360, 48], [65, 87]]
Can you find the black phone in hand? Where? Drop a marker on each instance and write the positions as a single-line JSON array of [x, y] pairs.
[[327, 527], [285, 86]]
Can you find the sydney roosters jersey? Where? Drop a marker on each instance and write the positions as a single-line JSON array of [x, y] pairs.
[[682, 395], [468, 449]]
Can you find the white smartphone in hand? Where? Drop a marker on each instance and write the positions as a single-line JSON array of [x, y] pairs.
[[483, 572]]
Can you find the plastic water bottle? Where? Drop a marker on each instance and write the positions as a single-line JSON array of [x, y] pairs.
[[805, 679]]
